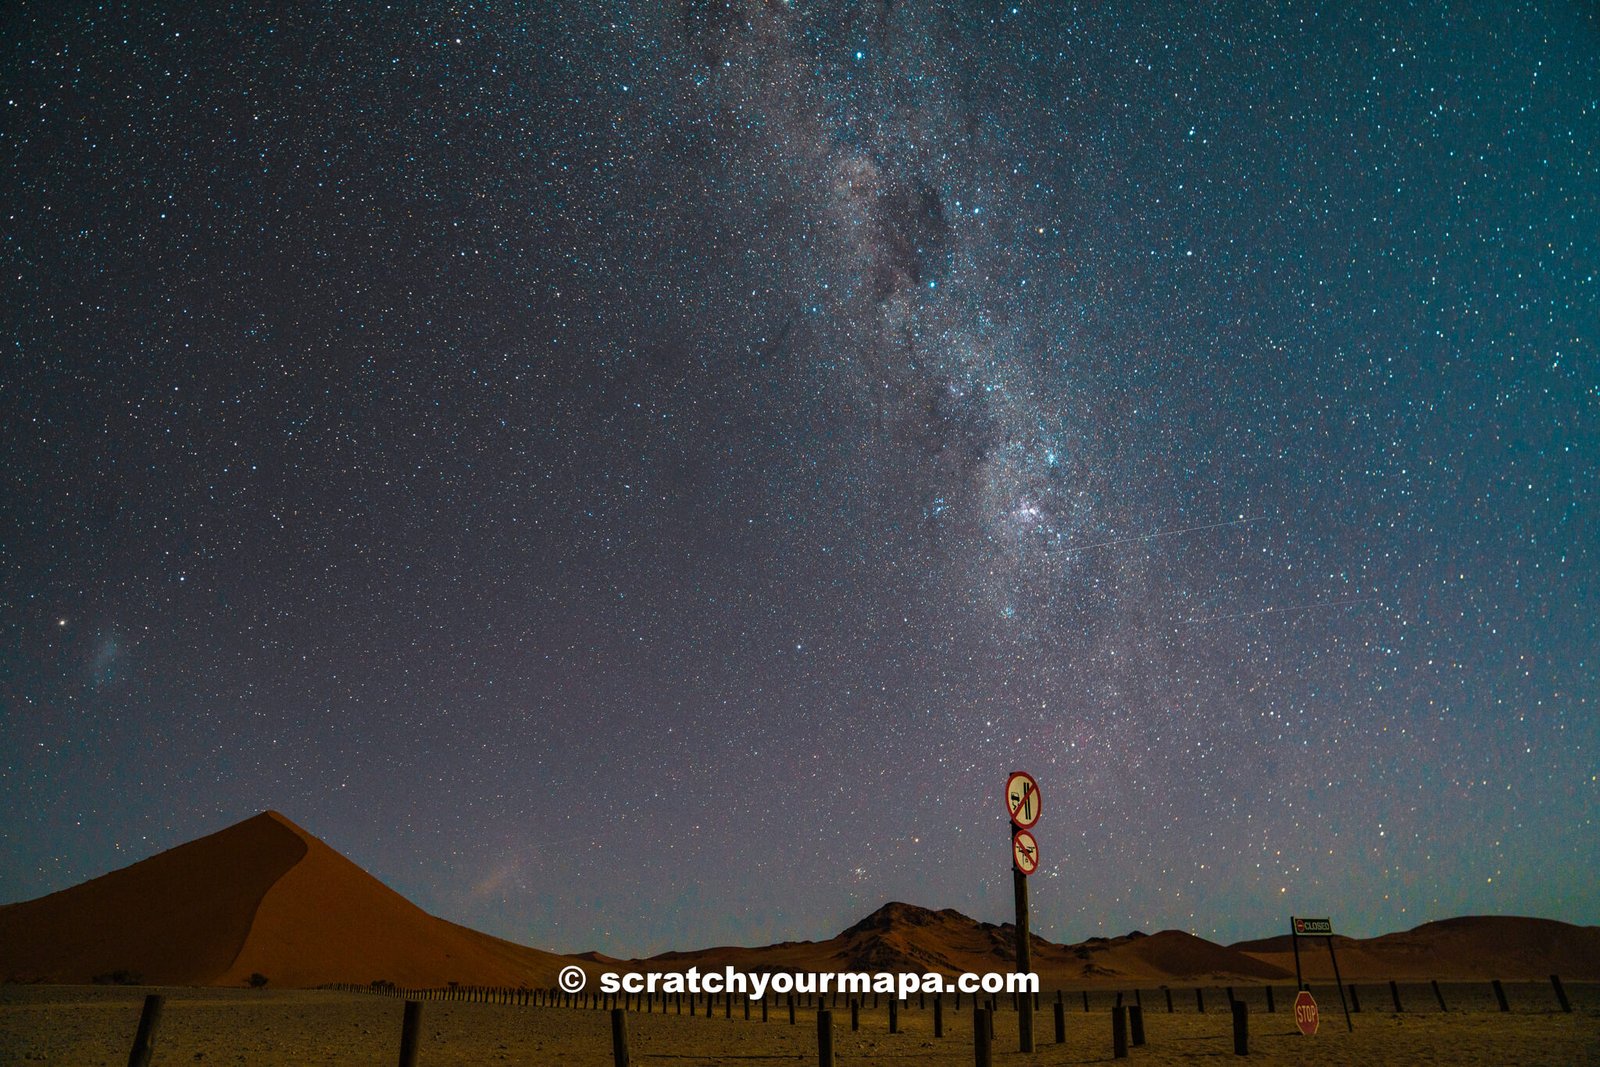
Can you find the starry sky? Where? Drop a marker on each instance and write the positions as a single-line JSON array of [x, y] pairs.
[[638, 476]]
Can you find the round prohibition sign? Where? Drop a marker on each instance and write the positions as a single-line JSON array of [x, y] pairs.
[[1024, 852], [1022, 799]]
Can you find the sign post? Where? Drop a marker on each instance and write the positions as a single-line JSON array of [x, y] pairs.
[[1302, 927], [1022, 806]]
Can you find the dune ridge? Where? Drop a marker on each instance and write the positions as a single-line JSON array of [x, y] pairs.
[[1468, 946], [262, 896], [905, 937], [179, 917], [266, 897]]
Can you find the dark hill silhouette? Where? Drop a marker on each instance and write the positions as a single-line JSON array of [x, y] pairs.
[[904, 937]]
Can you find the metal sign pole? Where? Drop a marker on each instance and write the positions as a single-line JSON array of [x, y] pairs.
[[1294, 940], [1021, 798], [1019, 887], [1348, 1025]]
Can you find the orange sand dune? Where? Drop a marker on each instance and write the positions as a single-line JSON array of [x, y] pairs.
[[1179, 956], [179, 917], [261, 896]]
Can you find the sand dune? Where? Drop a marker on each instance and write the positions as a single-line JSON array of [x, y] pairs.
[[904, 937], [179, 917], [1472, 946], [266, 897], [261, 896]]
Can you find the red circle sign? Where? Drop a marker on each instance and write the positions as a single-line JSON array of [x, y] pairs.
[[1022, 799], [1305, 1012], [1024, 852]]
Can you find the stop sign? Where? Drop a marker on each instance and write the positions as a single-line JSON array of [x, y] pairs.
[[1305, 1012]]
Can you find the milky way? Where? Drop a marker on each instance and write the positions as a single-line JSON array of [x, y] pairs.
[[640, 477]]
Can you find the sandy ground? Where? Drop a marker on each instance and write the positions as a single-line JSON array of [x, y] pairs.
[[85, 1026]]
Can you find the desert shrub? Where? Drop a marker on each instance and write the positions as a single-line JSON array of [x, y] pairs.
[[257, 980], [120, 976]]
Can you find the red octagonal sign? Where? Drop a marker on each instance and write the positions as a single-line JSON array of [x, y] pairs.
[[1305, 1013]]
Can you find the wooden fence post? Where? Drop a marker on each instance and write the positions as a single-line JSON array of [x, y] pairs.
[[1272, 1009], [1061, 1022], [982, 1053], [1394, 991], [1119, 1033], [1561, 994], [1241, 1028], [619, 1037], [1438, 995], [1136, 1025], [938, 1015], [894, 1015], [144, 1039], [1355, 1000], [410, 1023], [855, 1014], [1500, 994]]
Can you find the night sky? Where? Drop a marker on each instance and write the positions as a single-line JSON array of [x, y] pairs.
[[639, 477]]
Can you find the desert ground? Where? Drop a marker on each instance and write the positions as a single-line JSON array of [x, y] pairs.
[[78, 1026], [265, 900]]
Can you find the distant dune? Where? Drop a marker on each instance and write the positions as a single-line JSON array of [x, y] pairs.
[[262, 896], [904, 937], [266, 897], [1473, 946]]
